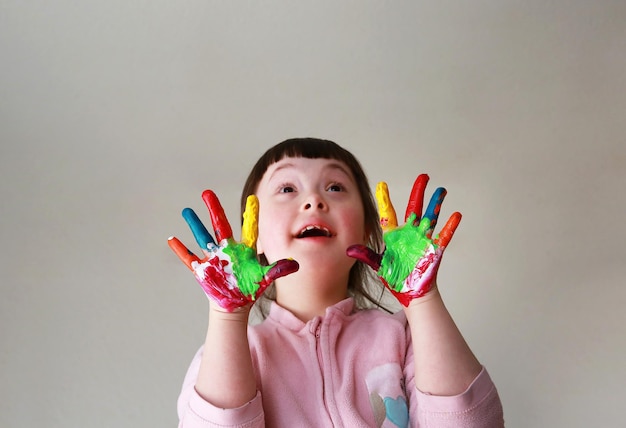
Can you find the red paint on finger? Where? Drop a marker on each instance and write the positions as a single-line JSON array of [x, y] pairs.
[[218, 217], [279, 269], [365, 255], [416, 200]]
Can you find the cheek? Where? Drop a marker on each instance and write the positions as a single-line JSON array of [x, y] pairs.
[[354, 220], [268, 225], [260, 248]]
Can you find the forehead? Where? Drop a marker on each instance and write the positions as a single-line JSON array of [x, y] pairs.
[[307, 166]]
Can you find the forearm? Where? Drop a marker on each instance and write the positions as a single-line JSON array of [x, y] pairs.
[[444, 363], [226, 376]]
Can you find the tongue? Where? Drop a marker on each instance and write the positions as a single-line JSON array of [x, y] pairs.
[[312, 233]]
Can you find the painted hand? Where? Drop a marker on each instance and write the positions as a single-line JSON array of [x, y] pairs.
[[408, 265], [230, 273]]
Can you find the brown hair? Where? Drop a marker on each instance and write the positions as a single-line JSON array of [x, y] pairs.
[[360, 281]]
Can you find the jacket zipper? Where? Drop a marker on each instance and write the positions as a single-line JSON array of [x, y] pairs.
[[320, 361]]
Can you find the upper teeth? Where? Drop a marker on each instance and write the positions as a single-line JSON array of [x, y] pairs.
[[315, 228]]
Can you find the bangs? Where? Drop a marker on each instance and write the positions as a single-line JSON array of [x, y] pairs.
[[310, 148]]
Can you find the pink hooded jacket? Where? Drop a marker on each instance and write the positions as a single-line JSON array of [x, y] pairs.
[[346, 369]]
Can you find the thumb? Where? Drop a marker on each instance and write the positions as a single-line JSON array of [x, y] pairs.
[[365, 255], [279, 269]]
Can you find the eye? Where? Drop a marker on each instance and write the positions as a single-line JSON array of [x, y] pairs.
[[286, 188], [335, 187]]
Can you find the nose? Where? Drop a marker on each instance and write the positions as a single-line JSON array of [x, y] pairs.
[[314, 201]]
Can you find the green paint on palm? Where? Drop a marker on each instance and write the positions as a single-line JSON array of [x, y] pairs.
[[404, 247], [247, 269]]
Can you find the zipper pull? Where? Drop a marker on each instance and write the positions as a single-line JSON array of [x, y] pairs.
[[315, 326]]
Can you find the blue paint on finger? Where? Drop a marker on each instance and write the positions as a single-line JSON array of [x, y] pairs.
[[432, 212], [202, 235]]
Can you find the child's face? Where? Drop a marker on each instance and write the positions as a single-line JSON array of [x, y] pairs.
[[310, 210]]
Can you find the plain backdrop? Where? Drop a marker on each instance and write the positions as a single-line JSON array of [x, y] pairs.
[[115, 115]]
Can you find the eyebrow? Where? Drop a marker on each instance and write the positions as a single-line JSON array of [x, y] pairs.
[[332, 165], [337, 165]]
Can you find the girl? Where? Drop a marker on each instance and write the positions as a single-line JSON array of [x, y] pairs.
[[324, 356]]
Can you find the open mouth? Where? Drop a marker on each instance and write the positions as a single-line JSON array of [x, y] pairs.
[[314, 231]]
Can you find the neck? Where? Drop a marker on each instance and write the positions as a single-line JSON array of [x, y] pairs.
[[308, 294]]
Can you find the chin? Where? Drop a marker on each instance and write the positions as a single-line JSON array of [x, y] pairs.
[[326, 263]]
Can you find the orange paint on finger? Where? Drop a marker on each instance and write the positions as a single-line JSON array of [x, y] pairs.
[[183, 253], [448, 230]]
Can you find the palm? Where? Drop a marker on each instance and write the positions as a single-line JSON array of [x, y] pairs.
[[230, 273]]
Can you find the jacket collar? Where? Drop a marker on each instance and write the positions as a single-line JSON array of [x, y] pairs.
[[289, 320]]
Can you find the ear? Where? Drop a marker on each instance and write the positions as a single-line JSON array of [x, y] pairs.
[[259, 247], [366, 235]]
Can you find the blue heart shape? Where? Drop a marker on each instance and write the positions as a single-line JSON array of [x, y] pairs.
[[397, 411]]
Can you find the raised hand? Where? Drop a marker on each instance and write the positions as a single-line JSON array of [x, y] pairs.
[[409, 263], [230, 273]]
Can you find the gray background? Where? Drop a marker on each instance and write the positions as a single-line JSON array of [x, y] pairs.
[[115, 115]]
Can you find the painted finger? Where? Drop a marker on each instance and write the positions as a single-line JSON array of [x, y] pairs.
[[202, 235], [365, 255], [250, 229], [434, 206], [279, 269], [445, 235], [386, 212], [183, 253], [416, 200], [221, 227]]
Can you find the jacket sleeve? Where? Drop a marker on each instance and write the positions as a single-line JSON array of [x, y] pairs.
[[195, 412], [479, 406]]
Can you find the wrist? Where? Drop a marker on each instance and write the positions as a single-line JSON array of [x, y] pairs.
[[433, 297], [218, 313]]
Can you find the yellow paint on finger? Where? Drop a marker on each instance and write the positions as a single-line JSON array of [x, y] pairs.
[[386, 212], [250, 229]]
